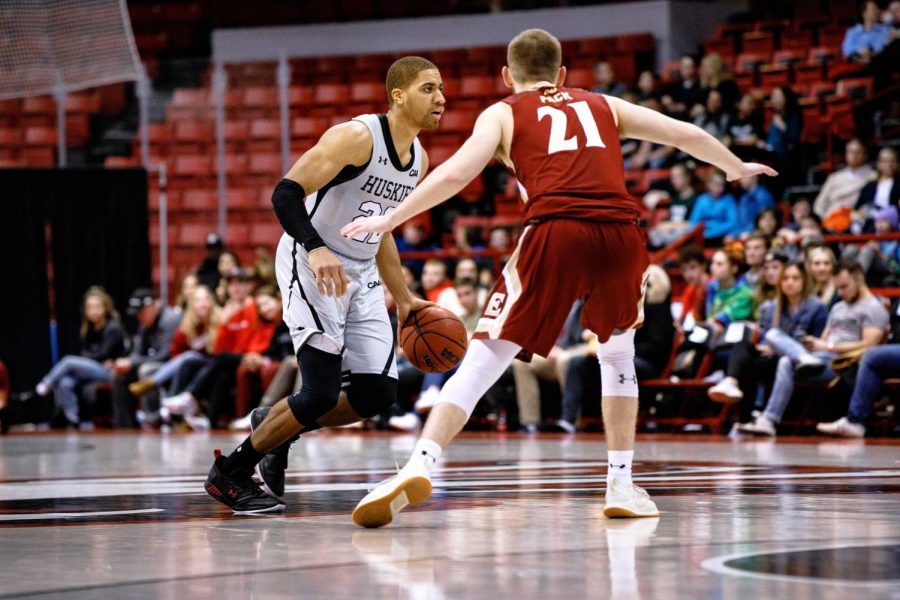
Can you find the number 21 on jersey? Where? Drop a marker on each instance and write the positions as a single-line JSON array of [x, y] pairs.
[[558, 122]]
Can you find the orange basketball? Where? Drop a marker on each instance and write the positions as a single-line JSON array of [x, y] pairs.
[[434, 339]]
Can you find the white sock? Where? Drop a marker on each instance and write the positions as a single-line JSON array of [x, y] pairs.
[[426, 452], [619, 466]]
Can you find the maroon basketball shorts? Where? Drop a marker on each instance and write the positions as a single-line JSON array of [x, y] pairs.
[[557, 262]]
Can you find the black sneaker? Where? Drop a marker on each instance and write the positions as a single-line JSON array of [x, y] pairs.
[[238, 491], [273, 465]]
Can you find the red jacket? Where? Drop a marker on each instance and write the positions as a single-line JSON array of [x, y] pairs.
[[244, 332]]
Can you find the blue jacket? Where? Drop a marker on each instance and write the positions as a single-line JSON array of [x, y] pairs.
[[809, 319], [751, 204], [718, 215], [857, 39]]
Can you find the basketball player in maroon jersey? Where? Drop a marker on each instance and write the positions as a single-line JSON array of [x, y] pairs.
[[581, 240]]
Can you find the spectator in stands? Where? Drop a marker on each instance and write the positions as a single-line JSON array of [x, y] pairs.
[[414, 285], [649, 154], [717, 210], [239, 285], [208, 273], [102, 342], [606, 80], [569, 344], [821, 264], [877, 364], [713, 76], [414, 238], [438, 287], [258, 371], [652, 346], [191, 345], [794, 311], [4, 398], [229, 263], [150, 348], [784, 129], [842, 188], [467, 293], [467, 269], [683, 197], [690, 307], [715, 118], [856, 323], [756, 246], [745, 133], [186, 288], [879, 193], [767, 288], [753, 201], [647, 86], [768, 223], [729, 297], [868, 38], [500, 239], [263, 271], [681, 97], [880, 259], [246, 333]]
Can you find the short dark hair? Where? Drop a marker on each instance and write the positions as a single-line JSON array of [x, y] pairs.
[[534, 55], [403, 72], [691, 253], [850, 265], [758, 235], [465, 282]]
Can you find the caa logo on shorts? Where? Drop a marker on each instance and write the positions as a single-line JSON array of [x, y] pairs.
[[494, 306]]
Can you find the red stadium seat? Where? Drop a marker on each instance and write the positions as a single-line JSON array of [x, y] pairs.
[[308, 127], [748, 62], [331, 94], [368, 91], [820, 54], [789, 57], [300, 96], [191, 168], [457, 121], [857, 89], [199, 200], [832, 36], [265, 234], [771, 76], [807, 74], [265, 164], [476, 86], [762, 42], [635, 42], [243, 198], [438, 154], [724, 47], [581, 78], [797, 39], [596, 47]]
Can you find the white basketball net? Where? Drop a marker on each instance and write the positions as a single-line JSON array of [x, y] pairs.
[[55, 45]]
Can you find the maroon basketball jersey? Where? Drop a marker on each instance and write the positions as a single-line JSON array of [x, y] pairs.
[[566, 153]]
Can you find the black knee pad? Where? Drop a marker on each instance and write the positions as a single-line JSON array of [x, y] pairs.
[[321, 385], [371, 394]]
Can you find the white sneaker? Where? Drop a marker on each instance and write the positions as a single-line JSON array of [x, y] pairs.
[[181, 404], [808, 366], [760, 426], [622, 501], [42, 389], [725, 391], [198, 423], [242, 424], [427, 399], [412, 485], [407, 422], [842, 428]]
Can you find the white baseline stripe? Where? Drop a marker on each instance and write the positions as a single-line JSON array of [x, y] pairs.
[[75, 515]]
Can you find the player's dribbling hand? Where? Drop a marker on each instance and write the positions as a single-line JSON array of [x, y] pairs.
[[404, 310], [380, 223], [330, 277], [751, 169]]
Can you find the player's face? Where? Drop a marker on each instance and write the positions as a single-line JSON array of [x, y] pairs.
[[424, 99]]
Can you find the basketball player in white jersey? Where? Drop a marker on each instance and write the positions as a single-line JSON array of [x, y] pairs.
[[331, 285]]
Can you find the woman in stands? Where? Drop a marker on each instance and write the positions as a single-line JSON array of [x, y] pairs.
[[820, 264], [102, 341], [193, 342], [186, 288], [783, 135], [795, 311]]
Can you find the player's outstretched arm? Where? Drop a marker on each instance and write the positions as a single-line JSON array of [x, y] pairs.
[[644, 124], [446, 180]]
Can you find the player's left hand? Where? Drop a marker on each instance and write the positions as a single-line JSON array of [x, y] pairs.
[[380, 223], [751, 169], [404, 309]]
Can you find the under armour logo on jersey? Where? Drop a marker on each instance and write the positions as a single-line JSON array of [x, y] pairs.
[[622, 378], [382, 160]]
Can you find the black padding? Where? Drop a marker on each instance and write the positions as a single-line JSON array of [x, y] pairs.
[[371, 394], [321, 373]]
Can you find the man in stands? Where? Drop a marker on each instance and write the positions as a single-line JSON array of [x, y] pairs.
[[841, 189]]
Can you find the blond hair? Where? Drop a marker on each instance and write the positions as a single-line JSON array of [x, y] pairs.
[[194, 326], [534, 55], [109, 308], [403, 72]]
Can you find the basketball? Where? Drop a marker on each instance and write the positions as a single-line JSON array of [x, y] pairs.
[[434, 339]]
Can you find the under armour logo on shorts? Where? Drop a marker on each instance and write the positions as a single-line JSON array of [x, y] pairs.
[[612, 466], [622, 378]]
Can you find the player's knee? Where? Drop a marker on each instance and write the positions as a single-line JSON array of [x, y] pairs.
[[617, 373], [371, 394], [321, 385]]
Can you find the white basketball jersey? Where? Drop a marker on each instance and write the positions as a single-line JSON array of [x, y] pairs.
[[376, 188]]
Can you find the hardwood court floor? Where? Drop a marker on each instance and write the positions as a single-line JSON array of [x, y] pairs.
[[125, 516]]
